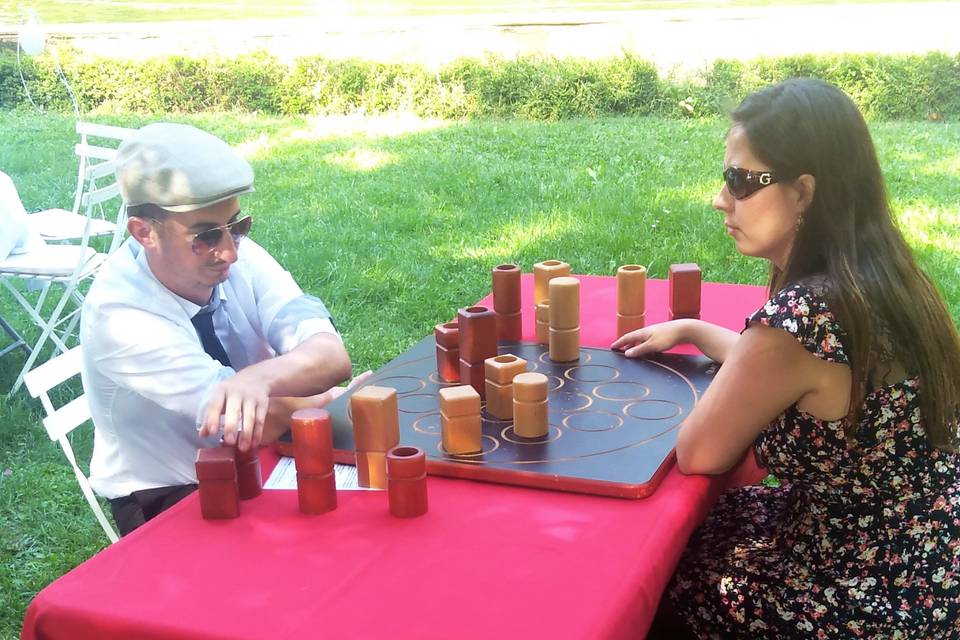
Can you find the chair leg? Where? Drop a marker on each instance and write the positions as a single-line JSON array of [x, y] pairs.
[[87, 491], [18, 341], [47, 328]]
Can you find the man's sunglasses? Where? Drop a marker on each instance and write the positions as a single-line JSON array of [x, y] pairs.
[[743, 183], [209, 239]]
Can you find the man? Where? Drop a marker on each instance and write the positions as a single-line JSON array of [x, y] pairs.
[[190, 328]]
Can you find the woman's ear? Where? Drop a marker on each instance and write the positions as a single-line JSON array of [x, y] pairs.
[[804, 186]]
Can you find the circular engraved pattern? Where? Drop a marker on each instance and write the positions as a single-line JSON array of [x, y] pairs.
[[653, 410], [597, 373], [584, 358], [553, 433], [489, 444], [428, 423], [569, 401], [593, 421], [622, 391], [554, 382], [418, 403], [403, 384], [486, 416]]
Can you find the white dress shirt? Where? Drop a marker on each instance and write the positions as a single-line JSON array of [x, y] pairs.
[[145, 372]]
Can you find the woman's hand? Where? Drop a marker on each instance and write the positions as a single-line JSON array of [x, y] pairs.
[[653, 339]]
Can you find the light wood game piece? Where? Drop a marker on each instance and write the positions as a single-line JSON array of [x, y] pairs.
[[376, 430], [500, 372], [506, 301], [684, 285], [543, 272], [313, 455], [543, 322], [407, 481], [460, 426], [478, 341], [631, 298], [447, 335], [217, 479], [564, 319], [530, 405]]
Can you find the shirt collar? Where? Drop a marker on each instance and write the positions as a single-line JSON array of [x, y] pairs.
[[190, 308]]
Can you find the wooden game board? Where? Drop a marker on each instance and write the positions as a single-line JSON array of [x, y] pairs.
[[613, 420]]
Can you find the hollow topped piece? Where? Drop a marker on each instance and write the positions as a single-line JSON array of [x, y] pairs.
[[462, 400], [506, 288], [543, 272], [502, 369], [631, 289], [447, 335], [478, 333], [404, 461]]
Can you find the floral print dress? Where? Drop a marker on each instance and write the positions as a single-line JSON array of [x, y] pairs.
[[856, 543]]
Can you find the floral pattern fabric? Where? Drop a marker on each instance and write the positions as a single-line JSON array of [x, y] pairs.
[[858, 542]]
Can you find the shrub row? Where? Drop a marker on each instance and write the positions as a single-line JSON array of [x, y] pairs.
[[885, 86]]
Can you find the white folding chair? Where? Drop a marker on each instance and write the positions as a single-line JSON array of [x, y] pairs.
[[60, 422], [95, 172], [46, 265]]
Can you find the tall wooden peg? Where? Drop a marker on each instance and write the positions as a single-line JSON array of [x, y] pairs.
[[506, 301], [460, 426], [500, 372], [447, 335], [407, 481], [313, 455], [376, 430], [564, 319], [631, 298], [684, 284], [530, 405], [478, 341], [217, 477]]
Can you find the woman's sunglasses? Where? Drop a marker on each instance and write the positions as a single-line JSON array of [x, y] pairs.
[[209, 239], [743, 183]]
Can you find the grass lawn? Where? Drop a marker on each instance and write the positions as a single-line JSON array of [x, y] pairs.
[[80, 11], [396, 222]]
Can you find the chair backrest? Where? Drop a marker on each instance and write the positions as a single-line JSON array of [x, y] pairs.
[[92, 155], [60, 422], [95, 196]]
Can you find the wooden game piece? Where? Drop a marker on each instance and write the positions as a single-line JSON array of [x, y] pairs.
[[631, 298], [249, 478], [500, 372], [217, 478], [460, 426], [447, 335], [543, 322], [530, 405], [407, 481], [684, 285], [564, 319], [478, 341], [543, 272], [506, 301], [376, 430], [313, 455]]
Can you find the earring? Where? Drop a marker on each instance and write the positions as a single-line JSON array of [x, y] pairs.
[[799, 222]]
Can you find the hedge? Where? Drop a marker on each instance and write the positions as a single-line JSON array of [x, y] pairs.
[[902, 87]]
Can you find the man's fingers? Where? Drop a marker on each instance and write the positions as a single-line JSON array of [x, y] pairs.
[[211, 420]]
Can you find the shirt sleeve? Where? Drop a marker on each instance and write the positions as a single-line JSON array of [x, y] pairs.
[[803, 313], [287, 315]]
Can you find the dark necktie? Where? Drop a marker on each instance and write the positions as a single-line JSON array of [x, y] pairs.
[[203, 323]]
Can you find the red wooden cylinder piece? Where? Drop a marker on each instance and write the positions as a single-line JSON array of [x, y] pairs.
[[312, 441], [447, 335], [316, 493], [407, 481], [217, 479], [249, 477]]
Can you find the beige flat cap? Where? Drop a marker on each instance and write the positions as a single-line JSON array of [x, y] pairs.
[[179, 168]]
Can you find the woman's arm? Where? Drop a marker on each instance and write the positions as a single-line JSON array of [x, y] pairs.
[[713, 341]]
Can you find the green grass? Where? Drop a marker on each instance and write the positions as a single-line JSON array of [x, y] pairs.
[[396, 226], [81, 11]]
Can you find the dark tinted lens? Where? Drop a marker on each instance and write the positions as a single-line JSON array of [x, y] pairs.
[[206, 240], [736, 180], [241, 228]]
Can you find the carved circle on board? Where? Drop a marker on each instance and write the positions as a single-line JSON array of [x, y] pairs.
[[584, 358], [553, 434], [595, 373], [622, 391], [429, 423], [403, 384], [570, 401], [418, 403], [653, 409], [593, 421], [489, 444], [435, 379]]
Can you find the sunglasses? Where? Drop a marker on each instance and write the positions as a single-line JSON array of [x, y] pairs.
[[209, 239], [743, 183]]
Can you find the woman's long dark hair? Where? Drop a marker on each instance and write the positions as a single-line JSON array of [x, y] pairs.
[[849, 237]]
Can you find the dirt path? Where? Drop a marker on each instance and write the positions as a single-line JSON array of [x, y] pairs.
[[685, 39]]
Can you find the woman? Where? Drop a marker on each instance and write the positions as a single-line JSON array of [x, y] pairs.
[[846, 383]]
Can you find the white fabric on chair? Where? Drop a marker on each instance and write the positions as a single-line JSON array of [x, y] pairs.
[[15, 232]]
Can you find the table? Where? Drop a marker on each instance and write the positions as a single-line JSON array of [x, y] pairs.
[[486, 561]]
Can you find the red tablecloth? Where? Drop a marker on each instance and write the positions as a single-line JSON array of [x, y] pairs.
[[486, 561]]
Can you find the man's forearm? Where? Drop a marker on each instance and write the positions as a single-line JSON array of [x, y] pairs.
[[316, 365]]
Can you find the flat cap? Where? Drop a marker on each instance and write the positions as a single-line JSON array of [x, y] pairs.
[[179, 168]]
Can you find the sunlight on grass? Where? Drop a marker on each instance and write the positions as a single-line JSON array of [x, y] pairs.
[[932, 227], [360, 159], [506, 241], [386, 125]]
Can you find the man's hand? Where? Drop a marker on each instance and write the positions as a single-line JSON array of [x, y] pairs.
[[243, 401]]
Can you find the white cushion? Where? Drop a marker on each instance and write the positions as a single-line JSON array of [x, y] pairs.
[[52, 261], [60, 224]]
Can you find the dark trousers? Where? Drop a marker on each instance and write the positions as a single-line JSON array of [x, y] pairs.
[[129, 512]]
